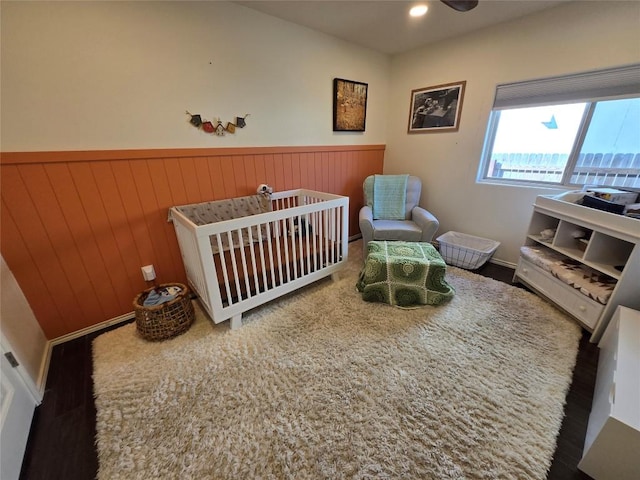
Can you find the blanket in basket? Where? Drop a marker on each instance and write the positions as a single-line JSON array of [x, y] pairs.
[[404, 274]]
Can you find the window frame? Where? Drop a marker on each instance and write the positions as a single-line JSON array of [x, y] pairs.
[[587, 87]]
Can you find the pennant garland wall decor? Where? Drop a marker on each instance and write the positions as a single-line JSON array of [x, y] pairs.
[[217, 127]]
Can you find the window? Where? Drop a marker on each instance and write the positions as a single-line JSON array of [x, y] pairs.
[[577, 130]]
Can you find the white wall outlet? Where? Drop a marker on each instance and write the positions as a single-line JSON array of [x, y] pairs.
[[148, 273]]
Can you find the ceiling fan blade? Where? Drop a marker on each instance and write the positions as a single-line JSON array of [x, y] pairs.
[[461, 5]]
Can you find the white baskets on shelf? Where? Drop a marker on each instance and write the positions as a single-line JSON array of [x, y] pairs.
[[466, 251]]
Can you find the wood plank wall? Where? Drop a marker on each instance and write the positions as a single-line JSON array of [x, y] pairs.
[[77, 226]]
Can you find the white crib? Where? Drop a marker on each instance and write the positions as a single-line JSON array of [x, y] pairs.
[[236, 265]]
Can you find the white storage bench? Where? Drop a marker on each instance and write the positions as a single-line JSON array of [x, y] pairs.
[[602, 246]]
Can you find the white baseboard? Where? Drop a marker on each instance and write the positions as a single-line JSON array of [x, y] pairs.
[[44, 370], [92, 328], [503, 263]]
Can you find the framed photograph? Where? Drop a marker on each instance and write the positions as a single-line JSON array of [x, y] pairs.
[[436, 109], [349, 105]]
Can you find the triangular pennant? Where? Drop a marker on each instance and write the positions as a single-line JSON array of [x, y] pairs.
[[196, 120]]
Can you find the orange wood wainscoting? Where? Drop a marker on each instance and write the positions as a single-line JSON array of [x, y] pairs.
[[77, 226]]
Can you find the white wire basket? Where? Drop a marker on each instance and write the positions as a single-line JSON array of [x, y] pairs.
[[466, 251]]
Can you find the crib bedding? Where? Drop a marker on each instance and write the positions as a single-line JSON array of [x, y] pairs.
[[228, 209], [587, 281]]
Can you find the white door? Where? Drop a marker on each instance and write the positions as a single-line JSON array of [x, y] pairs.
[[17, 404]]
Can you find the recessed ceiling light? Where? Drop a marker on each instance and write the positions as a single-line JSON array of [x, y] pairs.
[[418, 10]]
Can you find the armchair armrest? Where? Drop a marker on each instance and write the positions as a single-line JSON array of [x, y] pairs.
[[365, 221], [426, 221]]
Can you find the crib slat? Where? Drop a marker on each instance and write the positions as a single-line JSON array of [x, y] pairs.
[[278, 250], [333, 235], [271, 256], [286, 258], [300, 254], [271, 263], [234, 266], [244, 263], [292, 234], [308, 236], [223, 267], [253, 260], [315, 241]]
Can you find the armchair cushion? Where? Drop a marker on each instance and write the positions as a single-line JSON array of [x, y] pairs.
[[397, 230]]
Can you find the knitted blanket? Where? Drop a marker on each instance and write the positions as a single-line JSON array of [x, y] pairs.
[[404, 274], [389, 196]]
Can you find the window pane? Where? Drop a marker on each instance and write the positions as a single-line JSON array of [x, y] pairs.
[[610, 153], [534, 143]]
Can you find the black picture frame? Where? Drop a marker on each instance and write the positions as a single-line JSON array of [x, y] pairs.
[[349, 105], [437, 108]]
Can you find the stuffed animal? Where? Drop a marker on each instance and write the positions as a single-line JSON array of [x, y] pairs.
[[264, 189]]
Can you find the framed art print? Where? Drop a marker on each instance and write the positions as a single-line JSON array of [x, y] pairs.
[[436, 109], [349, 105]]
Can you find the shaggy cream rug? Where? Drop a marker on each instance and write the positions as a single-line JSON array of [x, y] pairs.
[[322, 385]]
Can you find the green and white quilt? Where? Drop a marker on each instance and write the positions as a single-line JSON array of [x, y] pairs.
[[404, 274]]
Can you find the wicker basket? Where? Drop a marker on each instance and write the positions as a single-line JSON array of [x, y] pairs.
[[167, 320]]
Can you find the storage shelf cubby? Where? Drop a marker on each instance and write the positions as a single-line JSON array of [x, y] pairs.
[[608, 250], [541, 222], [570, 239]]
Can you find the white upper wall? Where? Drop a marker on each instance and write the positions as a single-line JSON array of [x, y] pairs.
[[120, 75], [579, 36]]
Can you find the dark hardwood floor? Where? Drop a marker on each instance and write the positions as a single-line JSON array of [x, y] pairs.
[[61, 441]]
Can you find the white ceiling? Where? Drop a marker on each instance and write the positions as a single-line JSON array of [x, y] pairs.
[[385, 26]]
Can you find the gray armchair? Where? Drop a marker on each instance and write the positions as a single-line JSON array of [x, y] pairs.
[[419, 225]]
